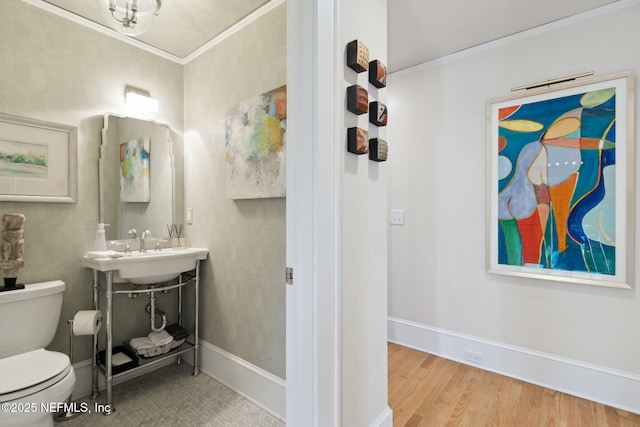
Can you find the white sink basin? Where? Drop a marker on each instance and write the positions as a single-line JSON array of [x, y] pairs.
[[147, 267]]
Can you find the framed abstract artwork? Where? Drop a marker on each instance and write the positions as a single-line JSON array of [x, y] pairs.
[[560, 183], [135, 163], [38, 161], [255, 146]]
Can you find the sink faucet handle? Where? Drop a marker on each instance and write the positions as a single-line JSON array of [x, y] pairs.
[[127, 246], [159, 246], [132, 232]]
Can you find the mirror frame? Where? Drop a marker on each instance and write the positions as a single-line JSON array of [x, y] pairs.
[[101, 158]]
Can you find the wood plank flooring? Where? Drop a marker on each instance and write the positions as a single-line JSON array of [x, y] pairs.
[[427, 390]]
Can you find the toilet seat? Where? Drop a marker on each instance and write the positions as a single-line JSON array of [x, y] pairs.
[[31, 372]]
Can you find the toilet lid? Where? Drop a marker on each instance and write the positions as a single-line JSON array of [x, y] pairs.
[[28, 373]]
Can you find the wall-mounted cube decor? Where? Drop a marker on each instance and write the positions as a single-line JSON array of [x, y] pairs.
[[357, 141], [357, 56], [377, 74], [378, 150], [378, 113], [357, 99]]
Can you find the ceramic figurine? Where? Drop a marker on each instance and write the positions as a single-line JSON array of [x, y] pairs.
[[12, 248]]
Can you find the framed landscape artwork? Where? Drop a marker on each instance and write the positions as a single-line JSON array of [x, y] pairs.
[[38, 161], [560, 181]]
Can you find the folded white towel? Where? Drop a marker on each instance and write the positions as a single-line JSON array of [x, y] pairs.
[[119, 359], [161, 338], [142, 343], [104, 254]]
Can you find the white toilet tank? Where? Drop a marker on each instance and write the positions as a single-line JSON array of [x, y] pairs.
[[29, 317]]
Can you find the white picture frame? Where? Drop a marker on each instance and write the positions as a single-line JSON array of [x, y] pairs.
[[38, 161], [560, 167]]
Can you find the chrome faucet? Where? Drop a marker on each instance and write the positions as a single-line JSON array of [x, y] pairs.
[[146, 234]]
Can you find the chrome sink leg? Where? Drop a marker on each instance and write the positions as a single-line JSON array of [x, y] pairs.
[[94, 366], [109, 409], [179, 360], [196, 349]]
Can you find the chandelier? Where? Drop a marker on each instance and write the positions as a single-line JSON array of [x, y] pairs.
[[132, 17]]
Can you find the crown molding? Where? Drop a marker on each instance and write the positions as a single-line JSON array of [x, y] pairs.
[[584, 16], [244, 22]]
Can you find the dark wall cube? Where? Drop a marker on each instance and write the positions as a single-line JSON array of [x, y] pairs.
[[377, 74], [357, 141], [378, 150], [357, 56], [378, 113], [357, 99]]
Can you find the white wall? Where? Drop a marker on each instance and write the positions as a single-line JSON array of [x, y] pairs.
[[336, 234], [364, 236], [436, 135]]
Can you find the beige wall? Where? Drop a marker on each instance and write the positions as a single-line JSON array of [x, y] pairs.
[[56, 70], [243, 295]]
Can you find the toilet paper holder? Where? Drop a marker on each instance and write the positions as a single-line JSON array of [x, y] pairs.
[[68, 414]]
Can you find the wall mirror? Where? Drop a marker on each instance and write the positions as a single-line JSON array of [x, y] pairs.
[[140, 185]]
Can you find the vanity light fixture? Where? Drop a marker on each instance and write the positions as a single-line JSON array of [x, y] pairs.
[[141, 99], [132, 17]]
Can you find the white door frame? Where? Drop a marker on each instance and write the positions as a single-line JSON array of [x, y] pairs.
[[313, 214]]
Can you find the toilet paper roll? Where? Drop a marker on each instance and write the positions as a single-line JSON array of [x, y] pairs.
[[87, 322]]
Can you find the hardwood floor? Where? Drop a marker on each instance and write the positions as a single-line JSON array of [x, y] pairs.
[[427, 390]]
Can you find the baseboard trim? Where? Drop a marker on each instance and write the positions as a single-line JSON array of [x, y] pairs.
[[251, 382], [600, 384], [385, 419]]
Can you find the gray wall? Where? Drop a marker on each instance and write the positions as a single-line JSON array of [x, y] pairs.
[[56, 70], [243, 295]]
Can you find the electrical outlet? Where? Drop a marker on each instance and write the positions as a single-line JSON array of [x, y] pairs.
[[473, 357], [396, 217]]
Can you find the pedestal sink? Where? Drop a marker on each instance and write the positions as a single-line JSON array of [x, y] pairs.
[[150, 268], [147, 267]]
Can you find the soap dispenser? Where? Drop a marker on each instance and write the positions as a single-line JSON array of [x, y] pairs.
[[101, 240]]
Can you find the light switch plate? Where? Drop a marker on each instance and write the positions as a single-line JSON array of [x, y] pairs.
[[189, 216], [397, 217]]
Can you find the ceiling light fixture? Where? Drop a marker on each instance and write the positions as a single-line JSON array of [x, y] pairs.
[[132, 17]]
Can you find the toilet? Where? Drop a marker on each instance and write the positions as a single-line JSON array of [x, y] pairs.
[[33, 381]]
